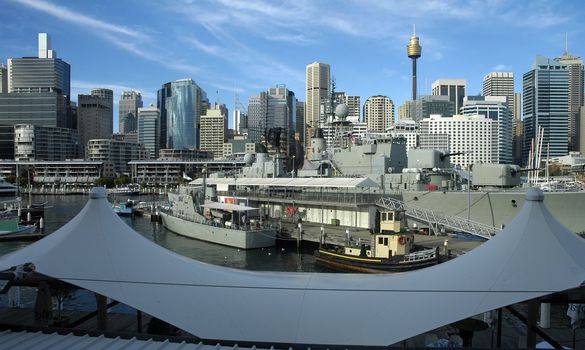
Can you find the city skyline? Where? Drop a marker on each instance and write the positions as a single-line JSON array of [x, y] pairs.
[[225, 47]]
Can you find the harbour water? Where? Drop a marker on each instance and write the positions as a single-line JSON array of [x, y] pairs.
[[63, 208]]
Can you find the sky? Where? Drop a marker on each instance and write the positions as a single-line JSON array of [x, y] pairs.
[[231, 47]]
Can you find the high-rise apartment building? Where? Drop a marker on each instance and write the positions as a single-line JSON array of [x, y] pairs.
[[475, 136], [240, 122], [128, 106], [546, 105], [576, 84], [149, 129], [456, 89], [275, 108], [318, 86], [379, 113], [500, 84], [183, 102], [214, 130], [496, 108], [95, 116], [404, 110], [116, 153]]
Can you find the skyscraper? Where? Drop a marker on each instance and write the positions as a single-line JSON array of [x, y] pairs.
[[275, 108], [183, 100], [517, 111], [318, 84], [95, 116], [454, 88], [576, 83], [425, 106], [45, 73], [3, 79], [379, 113], [149, 129], [128, 106], [500, 84], [546, 105]]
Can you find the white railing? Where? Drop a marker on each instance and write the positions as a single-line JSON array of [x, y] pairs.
[[426, 254], [437, 220]]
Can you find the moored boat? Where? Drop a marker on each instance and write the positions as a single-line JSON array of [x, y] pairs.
[[390, 250], [227, 224]]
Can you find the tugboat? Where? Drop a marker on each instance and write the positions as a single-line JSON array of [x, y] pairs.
[[390, 250]]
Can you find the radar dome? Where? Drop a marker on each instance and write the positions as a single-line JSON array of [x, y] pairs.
[[341, 111], [249, 159]]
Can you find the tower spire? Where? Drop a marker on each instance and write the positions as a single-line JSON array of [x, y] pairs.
[[414, 51]]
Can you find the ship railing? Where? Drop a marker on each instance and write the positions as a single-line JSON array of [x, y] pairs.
[[426, 254], [438, 221]]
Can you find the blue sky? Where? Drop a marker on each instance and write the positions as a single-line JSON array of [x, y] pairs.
[[247, 46]]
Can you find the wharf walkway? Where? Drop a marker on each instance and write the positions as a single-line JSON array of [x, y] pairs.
[[337, 235]]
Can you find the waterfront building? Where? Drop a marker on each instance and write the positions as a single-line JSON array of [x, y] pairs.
[[425, 106], [58, 173], [545, 105], [379, 113], [576, 84], [33, 142], [214, 130], [275, 108], [128, 106], [500, 84], [3, 79], [149, 129], [95, 116], [474, 135], [435, 141], [165, 172], [496, 108], [184, 154], [184, 103], [118, 153], [456, 89]]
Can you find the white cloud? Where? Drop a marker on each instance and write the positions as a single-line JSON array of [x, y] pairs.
[[84, 87], [209, 49], [65, 14], [501, 68]]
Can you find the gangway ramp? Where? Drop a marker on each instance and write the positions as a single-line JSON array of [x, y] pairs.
[[437, 220]]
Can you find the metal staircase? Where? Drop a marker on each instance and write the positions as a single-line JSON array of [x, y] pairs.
[[437, 220]]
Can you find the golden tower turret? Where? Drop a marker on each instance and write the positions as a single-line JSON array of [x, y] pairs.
[[414, 51]]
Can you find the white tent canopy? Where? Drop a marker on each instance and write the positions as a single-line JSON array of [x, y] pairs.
[[533, 256]]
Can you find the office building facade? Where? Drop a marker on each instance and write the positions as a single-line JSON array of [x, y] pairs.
[[546, 105], [474, 135], [35, 143], [456, 89], [496, 108], [95, 116], [149, 130], [425, 106], [500, 84], [184, 101], [576, 84], [3, 79], [128, 106]]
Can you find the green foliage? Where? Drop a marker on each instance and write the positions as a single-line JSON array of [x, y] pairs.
[[122, 180], [105, 181]]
